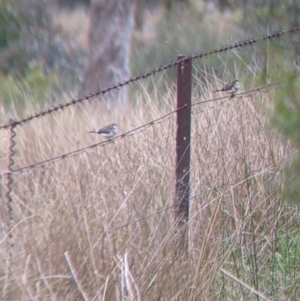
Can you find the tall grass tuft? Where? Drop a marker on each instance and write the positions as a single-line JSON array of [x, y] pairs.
[[99, 225]]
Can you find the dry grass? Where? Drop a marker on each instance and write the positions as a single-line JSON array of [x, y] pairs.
[[100, 225]]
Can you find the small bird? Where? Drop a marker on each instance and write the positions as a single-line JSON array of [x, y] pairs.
[[108, 131], [231, 87]]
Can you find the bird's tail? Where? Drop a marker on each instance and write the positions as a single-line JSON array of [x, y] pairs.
[[92, 132]]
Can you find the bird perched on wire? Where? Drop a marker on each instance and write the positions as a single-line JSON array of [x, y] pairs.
[[230, 87], [108, 131]]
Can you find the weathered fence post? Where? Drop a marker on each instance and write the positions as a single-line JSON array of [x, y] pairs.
[[184, 92]]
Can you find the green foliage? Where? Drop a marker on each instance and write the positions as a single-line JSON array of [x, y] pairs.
[[10, 28], [287, 108], [33, 55], [287, 119], [15, 93], [258, 18], [9, 23], [185, 30], [285, 259], [260, 15], [269, 16]]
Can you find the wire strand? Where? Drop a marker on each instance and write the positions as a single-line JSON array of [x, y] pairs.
[[225, 48]]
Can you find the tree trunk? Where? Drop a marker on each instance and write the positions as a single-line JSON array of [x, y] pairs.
[[111, 27]]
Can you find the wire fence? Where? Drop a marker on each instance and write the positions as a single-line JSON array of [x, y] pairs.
[[13, 123], [135, 130], [152, 137], [224, 48]]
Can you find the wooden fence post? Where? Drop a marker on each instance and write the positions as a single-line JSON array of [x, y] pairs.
[[184, 93]]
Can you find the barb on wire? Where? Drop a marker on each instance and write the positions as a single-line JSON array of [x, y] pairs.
[[9, 182], [80, 150], [239, 44], [235, 182], [130, 132], [9, 175]]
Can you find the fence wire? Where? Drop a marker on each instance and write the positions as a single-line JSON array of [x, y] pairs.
[[207, 190], [110, 170], [141, 127], [100, 144], [9, 201], [225, 48]]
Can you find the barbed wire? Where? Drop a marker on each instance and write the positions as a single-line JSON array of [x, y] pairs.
[[103, 143], [235, 94], [235, 182], [135, 130], [225, 48], [9, 200], [11, 162], [13, 123], [227, 98]]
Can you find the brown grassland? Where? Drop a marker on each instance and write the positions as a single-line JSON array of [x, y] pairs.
[[99, 225]]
